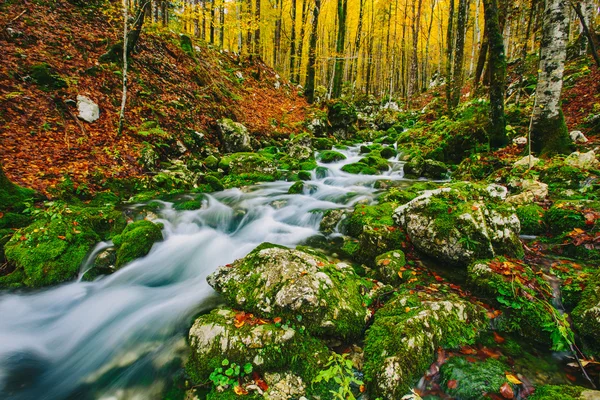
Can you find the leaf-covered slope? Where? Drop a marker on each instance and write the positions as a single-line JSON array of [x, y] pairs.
[[51, 51]]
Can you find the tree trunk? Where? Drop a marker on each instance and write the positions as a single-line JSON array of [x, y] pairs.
[[213, 11], [497, 68], [357, 43], [293, 44], [300, 52], [459, 57], [312, 54], [277, 32], [125, 51], [483, 54], [586, 22], [222, 26], [257, 30], [339, 49], [449, 55], [548, 131]]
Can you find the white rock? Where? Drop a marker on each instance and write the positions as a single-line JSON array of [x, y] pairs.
[[583, 160], [88, 110], [525, 161], [520, 141], [578, 137]]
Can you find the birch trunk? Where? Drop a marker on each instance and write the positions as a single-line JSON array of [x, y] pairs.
[[125, 46], [548, 131]]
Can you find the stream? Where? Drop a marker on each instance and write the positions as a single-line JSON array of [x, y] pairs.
[[123, 336]]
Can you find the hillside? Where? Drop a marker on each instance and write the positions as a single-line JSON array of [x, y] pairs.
[[51, 54]]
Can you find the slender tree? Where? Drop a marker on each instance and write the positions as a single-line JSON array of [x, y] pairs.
[[338, 72], [293, 43], [548, 130], [456, 82], [312, 54]]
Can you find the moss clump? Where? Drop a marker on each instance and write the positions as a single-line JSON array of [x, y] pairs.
[[211, 162], [214, 183], [296, 188], [388, 152], [46, 78], [473, 380], [375, 161], [359, 168], [401, 343], [52, 248], [331, 156], [563, 176], [322, 143], [402, 195], [136, 240], [564, 217], [375, 216], [552, 392], [231, 181], [531, 217], [389, 267], [586, 316], [525, 298], [269, 347], [189, 205]]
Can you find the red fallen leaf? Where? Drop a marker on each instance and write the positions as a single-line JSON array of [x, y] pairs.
[[497, 338], [438, 278], [239, 390], [449, 210], [1, 214], [277, 320], [474, 207], [75, 223], [571, 377], [471, 359], [362, 388], [506, 391], [22, 238], [452, 384], [320, 263], [387, 261], [62, 237], [468, 350]]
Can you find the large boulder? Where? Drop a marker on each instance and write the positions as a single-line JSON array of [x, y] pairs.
[[248, 163], [136, 241], [524, 296], [402, 342], [586, 316], [274, 281], [461, 223], [300, 147], [234, 136], [583, 160], [244, 339]]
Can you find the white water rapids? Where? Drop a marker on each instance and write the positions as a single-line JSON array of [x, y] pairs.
[[121, 336]]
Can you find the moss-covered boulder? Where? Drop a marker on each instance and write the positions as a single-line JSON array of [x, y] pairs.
[[246, 163], [565, 216], [360, 168], [224, 337], [374, 230], [136, 241], [296, 188], [388, 152], [52, 249], [531, 217], [300, 147], [467, 380], [461, 223], [331, 156], [402, 342], [234, 136], [390, 266], [342, 118], [419, 167], [278, 282], [375, 161], [525, 298], [586, 316]]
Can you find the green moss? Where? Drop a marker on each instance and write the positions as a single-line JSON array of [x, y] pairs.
[[401, 343], [473, 380], [189, 205], [322, 143], [211, 162], [562, 218], [214, 183], [331, 156], [375, 161], [359, 168], [389, 267], [531, 217], [136, 240], [555, 392], [296, 188], [375, 216], [304, 176], [563, 176], [388, 152], [46, 78], [240, 180], [586, 316], [268, 347]]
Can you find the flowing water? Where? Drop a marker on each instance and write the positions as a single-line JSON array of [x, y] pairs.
[[121, 336]]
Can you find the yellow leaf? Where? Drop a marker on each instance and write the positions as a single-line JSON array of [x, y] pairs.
[[513, 379]]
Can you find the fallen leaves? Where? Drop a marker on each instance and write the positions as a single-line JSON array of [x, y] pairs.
[[507, 391], [242, 318], [513, 379]]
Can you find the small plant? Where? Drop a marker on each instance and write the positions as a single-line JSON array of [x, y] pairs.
[[339, 369], [469, 243], [229, 374]]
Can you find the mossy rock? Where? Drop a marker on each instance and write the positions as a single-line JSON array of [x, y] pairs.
[[565, 216], [214, 183], [273, 281], [267, 346], [402, 195], [365, 216], [461, 223], [248, 163], [46, 78], [322, 144], [473, 380], [211, 162], [296, 188], [402, 342], [563, 176], [136, 240], [375, 161], [359, 168], [388, 152], [525, 299], [239, 180], [189, 205], [51, 250], [574, 279], [562, 392], [331, 156], [304, 175], [586, 316], [531, 217], [389, 267]]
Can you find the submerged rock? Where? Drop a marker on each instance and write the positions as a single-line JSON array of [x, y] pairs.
[[279, 282], [459, 224], [401, 343]]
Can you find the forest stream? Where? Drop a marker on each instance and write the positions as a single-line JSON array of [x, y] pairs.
[[116, 336]]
